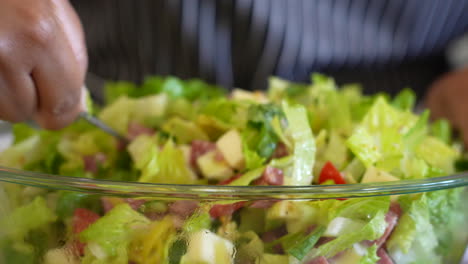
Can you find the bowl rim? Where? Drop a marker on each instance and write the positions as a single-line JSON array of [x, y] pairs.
[[224, 192]]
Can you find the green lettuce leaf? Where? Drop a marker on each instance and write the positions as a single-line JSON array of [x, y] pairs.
[[370, 231], [26, 218], [414, 227], [165, 166], [405, 100], [107, 239], [304, 145], [371, 256]]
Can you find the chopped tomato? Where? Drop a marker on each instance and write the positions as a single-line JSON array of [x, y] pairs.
[[225, 209], [82, 218], [329, 172]]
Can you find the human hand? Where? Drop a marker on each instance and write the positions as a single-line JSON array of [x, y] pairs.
[[448, 98], [43, 62]]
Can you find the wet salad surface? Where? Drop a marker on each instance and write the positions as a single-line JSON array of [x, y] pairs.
[[190, 132]]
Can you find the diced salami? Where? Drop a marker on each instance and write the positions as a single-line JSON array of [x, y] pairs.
[[200, 147], [273, 235], [225, 209], [280, 151], [323, 240], [92, 162], [135, 129], [318, 260], [108, 203], [135, 203], [396, 209], [384, 258], [271, 176], [262, 204], [183, 209], [228, 181], [82, 218], [391, 218]]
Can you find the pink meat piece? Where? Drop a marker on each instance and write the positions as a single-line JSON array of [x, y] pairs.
[[108, 205], [263, 204], [271, 176], [219, 210], [200, 147], [396, 209], [391, 218], [318, 260], [183, 209], [280, 151], [273, 235], [135, 129], [323, 240], [135, 203], [384, 257], [92, 162]]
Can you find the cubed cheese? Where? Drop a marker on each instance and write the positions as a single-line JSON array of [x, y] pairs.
[[230, 145], [211, 168], [207, 247], [375, 175], [59, 256]]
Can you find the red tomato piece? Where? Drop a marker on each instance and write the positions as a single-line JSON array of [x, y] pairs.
[[329, 172], [225, 209]]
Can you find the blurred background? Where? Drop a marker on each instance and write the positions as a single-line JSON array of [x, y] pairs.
[[385, 45]]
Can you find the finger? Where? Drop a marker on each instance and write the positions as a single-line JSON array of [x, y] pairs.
[[58, 83], [17, 96], [73, 32]]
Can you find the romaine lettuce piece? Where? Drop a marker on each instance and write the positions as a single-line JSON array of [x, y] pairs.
[[302, 247], [405, 100], [22, 131], [21, 154], [250, 248], [372, 230], [119, 113], [26, 218], [437, 154], [248, 177], [165, 166], [184, 131], [414, 227], [371, 256], [153, 244], [304, 145], [107, 238]]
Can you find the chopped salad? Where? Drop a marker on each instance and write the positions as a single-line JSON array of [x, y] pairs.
[[190, 132]]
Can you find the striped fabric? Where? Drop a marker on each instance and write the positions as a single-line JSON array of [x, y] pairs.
[[239, 43]]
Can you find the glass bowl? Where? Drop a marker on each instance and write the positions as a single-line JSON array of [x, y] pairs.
[[56, 219]]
